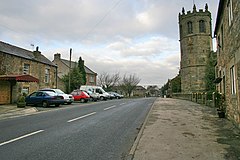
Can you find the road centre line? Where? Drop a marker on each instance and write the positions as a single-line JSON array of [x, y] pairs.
[[82, 117], [24, 136], [109, 107]]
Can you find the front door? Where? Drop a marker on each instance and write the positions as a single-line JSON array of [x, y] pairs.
[[5, 91]]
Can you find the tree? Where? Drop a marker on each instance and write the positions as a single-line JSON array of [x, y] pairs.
[[210, 73], [176, 84], [164, 88], [129, 83], [82, 70], [108, 81], [76, 79]]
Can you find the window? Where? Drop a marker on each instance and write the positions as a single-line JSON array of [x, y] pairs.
[[202, 27], [219, 43], [47, 75], [190, 29], [222, 37], [232, 78], [180, 30], [91, 79], [230, 12], [26, 68], [25, 90], [220, 85]]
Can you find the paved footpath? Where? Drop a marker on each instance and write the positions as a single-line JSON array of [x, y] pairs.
[[183, 130]]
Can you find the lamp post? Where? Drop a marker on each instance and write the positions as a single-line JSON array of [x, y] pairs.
[[69, 80]]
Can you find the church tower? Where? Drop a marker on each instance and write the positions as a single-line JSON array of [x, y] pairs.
[[195, 44]]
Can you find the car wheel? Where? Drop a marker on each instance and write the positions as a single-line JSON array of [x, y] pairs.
[[82, 100], [44, 104], [101, 98], [69, 102], [57, 105]]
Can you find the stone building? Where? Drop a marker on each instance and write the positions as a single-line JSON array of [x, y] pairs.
[[227, 33], [139, 91], [63, 69], [196, 45], [153, 91], [23, 71]]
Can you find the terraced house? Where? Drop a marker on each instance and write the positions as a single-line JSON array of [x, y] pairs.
[[228, 56], [64, 67], [22, 70]]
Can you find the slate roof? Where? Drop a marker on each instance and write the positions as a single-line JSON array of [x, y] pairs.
[[219, 15], [74, 64], [23, 53]]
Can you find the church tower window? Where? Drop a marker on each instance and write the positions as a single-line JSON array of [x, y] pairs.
[[202, 27], [190, 27]]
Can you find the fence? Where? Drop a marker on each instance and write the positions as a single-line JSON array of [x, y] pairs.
[[209, 99]]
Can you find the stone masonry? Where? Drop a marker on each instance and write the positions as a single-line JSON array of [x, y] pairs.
[[196, 45]]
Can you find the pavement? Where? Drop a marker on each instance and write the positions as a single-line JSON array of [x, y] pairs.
[[174, 130], [182, 130], [11, 110]]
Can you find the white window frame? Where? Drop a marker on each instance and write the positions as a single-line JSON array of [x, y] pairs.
[[91, 78], [233, 80], [47, 75], [230, 12], [26, 68], [25, 90]]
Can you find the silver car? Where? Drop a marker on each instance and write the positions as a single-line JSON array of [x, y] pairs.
[[68, 98]]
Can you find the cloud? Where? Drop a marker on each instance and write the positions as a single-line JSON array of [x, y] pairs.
[[137, 36]]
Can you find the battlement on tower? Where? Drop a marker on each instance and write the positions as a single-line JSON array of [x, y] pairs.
[[201, 12]]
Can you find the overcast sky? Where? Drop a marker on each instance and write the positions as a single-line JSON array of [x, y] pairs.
[[127, 36]]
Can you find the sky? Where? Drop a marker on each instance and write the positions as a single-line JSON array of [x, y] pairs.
[[139, 37]]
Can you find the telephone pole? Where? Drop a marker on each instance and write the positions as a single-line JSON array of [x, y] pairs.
[[69, 74]]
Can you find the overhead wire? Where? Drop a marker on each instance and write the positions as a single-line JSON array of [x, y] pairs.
[[102, 19]]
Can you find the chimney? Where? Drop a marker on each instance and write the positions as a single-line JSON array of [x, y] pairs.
[[57, 56], [37, 53]]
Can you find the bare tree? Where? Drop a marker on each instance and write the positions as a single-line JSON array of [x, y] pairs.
[[129, 83], [108, 81]]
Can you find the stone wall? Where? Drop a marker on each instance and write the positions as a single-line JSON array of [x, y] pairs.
[[228, 56], [13, 65]]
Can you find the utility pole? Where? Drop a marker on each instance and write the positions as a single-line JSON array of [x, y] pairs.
[[70, 66]]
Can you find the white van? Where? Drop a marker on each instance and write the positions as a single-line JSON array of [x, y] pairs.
[[93, 95], [96, 90]]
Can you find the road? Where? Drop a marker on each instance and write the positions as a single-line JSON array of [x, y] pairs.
[[102, 131]]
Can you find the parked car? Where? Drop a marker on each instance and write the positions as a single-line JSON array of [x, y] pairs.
[[79, 95], [44, 98], [91, 92], [112, 96], [116, 95], [68, 98], [103, 95]]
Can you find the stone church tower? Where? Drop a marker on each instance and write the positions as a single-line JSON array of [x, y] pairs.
[[196, 45]]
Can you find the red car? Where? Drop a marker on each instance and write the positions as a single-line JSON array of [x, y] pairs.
[[79, 95]]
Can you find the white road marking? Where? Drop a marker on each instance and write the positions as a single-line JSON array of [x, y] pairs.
[[24, 136], [122, 104], [82, 117], [109, 108]]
